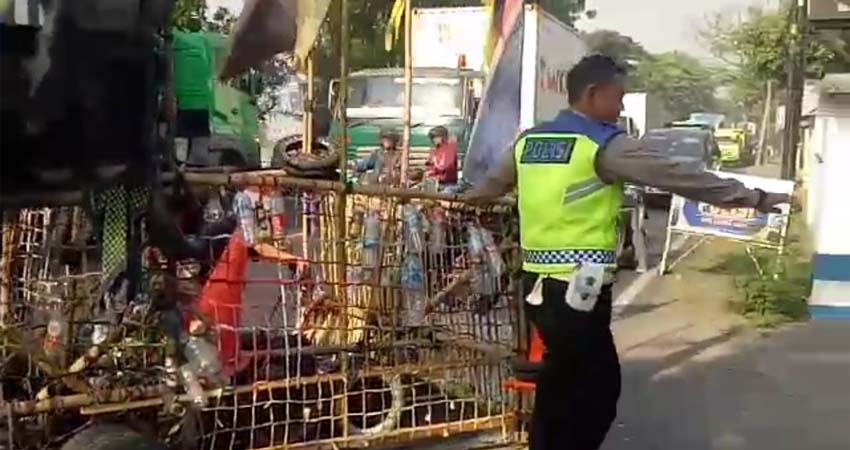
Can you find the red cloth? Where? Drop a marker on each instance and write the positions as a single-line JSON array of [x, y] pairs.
[[442, 164], [221, 299]]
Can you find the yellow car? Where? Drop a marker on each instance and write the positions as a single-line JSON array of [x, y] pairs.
[[731, 142]]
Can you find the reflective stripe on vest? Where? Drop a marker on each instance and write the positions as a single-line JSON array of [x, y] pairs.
[[567, 214]]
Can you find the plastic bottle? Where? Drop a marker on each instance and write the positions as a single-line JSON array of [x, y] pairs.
[[371, 240], [192, 385], [474, 243], [202, 357], [263, 230], [437, 234], [213, 211], [277, 212], [494, 256], [244, 209], [54, 337], [413, 229], [413, 286]]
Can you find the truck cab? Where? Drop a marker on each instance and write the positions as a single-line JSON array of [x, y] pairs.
[[440, 96], [217, 122]]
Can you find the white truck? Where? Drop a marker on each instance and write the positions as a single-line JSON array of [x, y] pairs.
[[645, 110], [526, 86]]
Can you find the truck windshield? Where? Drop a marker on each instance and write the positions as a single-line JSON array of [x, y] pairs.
[[439, 95]]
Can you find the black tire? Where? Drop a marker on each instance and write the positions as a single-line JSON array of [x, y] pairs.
[[111, 437], [286, 154], [231, 158]]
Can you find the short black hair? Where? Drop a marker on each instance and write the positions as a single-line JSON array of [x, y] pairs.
[[389, 133], [592, 69], [438, 131]]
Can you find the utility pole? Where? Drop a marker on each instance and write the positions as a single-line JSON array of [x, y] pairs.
[[796, 74], [765, 122], [408, 91]]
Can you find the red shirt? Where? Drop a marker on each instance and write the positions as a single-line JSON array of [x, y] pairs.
[[442, 164]]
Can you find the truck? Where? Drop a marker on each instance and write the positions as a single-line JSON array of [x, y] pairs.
[[526, 86], [646, 111], [217, 122], [448, 78]]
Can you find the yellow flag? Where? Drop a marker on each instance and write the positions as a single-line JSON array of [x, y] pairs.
[[394, 24]]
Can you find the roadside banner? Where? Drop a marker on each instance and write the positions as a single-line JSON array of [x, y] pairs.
[[739, 224]]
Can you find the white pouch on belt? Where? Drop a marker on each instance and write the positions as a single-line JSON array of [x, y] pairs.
[[585, 286], [535, 297]]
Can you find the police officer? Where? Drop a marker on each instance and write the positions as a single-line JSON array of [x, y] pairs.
[[569, 175]]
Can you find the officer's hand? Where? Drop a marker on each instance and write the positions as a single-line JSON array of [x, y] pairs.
[[768, 201]]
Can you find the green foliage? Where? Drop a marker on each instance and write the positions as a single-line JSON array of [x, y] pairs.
[[757, 47], [618, 46], [773, 287], [757, 50], [778, 295], [188, 15], [683, 83]]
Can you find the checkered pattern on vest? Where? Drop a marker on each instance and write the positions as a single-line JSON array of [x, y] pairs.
[[568, 256]]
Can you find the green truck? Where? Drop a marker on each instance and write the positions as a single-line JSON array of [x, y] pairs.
[[441, 96], [217, 122]]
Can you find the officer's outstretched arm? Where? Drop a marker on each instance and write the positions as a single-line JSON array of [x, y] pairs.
[[500, 180], [627, 159]]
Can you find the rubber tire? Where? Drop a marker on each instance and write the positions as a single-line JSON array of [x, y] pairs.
[[111, 437], [231, 158], [281, 158], [393, 416]]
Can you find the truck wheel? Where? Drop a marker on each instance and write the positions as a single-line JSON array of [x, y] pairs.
[[111, 437], [231, 158]]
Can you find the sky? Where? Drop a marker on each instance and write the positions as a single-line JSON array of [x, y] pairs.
[[662, 25]]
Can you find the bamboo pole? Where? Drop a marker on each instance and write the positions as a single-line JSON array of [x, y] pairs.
[[340, 204], [280, 178], [124, 399], [408, 92], [9, 227], [307, 144]]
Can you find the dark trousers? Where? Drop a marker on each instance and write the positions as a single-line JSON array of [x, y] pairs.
[[579, 384]]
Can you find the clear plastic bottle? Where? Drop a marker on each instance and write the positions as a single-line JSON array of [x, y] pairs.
[[474, 243], [494, 256], [437, 234], [264, 232], [244, 209], [371, 240], [413, 229], [413, 286], [213, 211], [192, 385], [277, 213], [202, 357], [54, 337]]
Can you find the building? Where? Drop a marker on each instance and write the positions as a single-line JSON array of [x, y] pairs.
[[825, 165]]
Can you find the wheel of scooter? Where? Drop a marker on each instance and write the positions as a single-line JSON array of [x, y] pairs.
[[359, 398], [111, 437]]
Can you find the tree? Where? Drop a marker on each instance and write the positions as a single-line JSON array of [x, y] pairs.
[[620, 47], [188, 15], [683, 83]]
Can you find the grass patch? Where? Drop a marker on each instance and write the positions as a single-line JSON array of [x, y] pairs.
[[773, 287]]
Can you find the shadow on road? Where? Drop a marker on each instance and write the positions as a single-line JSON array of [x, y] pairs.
[[788, 391]]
